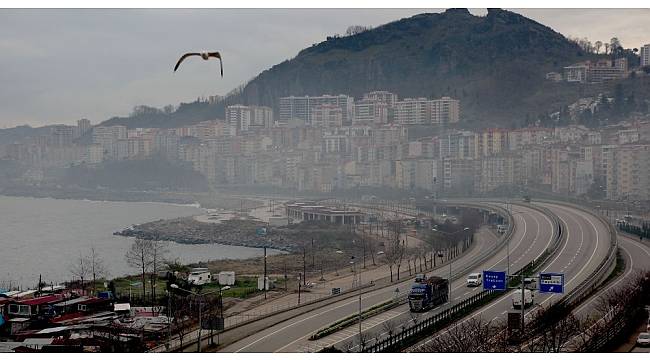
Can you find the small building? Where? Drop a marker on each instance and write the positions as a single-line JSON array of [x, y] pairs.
[[122, 309], [227, 278], [33, 307], [199, 276], [260, 283]]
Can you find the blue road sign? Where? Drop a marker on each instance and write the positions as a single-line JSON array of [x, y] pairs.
[[494, 280], [551, 283]]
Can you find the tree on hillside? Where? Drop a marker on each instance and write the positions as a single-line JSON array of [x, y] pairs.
[[139, 258], [158, 252], [97, 267], [598, 44], [80, 269]]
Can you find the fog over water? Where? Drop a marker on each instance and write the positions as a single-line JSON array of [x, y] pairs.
[[44, 236]]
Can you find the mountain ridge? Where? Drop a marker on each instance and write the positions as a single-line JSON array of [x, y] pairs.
[[494, 64]]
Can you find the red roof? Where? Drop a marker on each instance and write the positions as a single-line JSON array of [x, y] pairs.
[[94, 300], [49, 299]]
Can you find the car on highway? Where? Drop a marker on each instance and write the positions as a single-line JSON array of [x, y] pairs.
[[474, 279], [643, 339], [516, 298]]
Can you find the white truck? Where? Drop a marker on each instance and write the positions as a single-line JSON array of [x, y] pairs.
[[516, 298], [199, 276], [501, 229], [474, 279]]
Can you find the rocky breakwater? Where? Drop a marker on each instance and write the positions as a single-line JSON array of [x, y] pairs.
[[186, 230]]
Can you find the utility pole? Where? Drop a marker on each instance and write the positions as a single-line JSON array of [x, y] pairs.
[[299, 284], [313, 254], [169, 320], [359, 286], [304, 265], [198, 343], [523, 305], [285, 276], [265, 273]]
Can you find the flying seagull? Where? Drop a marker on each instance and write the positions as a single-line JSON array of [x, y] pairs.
[[205, 55]]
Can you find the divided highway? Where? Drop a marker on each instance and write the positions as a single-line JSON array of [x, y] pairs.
[[533, 234], [587, 243]]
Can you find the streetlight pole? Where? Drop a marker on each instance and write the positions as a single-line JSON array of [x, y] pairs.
[[202, 296]]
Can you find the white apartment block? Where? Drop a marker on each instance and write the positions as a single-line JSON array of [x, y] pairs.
[[326, 116], [413, 111], [384, 97], [370, 111], [300, 107], [239, 117], [645, 55], [445, 111], [628, 175]]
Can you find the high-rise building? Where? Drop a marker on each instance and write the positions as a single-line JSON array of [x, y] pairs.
[[423, 111], [385, 97], [239, 117], [62, 135], [300, 107], [370, 111], [413, 111], [445, 111], [83, 126], [645, 55], [326, 116]]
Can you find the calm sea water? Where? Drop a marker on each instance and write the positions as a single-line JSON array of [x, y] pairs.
[[45, 236]]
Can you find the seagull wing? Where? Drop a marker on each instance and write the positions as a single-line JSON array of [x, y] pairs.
[[218, 56], [183, 58]]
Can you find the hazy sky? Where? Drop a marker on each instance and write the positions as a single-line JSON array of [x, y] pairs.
[[58, 66]]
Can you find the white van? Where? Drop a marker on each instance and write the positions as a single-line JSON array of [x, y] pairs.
[[516, 298], [474, 279], [199, 276]]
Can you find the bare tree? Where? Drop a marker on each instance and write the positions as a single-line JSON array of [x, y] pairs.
[[472, 335], [551, 328], [394, 250], [80, 269], [389, 327], [158, 251], [97, 267], [139, 258]]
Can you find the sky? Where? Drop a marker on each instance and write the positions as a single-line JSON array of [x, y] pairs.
[[61, 65]]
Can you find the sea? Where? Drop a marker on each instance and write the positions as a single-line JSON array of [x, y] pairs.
[[44, 236]]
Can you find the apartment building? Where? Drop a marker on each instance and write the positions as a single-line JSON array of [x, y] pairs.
[[370, 112], [644, 53], [300, 107], [326, 116]]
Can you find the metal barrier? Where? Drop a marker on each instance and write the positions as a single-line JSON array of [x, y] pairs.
[[409, 335]]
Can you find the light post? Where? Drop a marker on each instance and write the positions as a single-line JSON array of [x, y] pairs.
[[176, 287], [169, 320], [452, 233]]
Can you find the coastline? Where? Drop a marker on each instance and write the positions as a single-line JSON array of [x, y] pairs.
[[194, 199]]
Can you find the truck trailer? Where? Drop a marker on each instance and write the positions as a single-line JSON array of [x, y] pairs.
[[426, 294]]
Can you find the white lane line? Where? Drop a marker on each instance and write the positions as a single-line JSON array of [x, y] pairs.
[[502, 299], [594, 297]]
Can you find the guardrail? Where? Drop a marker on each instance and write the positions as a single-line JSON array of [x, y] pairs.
[[605, 267], [410, 335], [480, 259], [192, 338]]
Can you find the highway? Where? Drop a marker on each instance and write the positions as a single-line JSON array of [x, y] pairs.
[[587, 243], [533, 234]]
